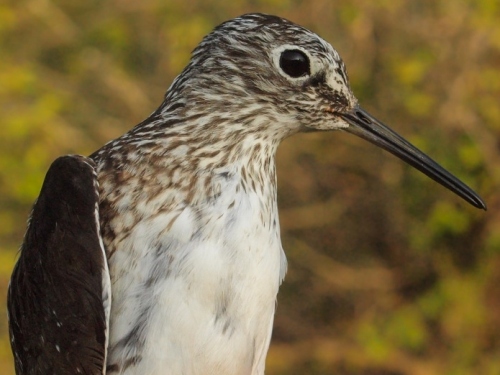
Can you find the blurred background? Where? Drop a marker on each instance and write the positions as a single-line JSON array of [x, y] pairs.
[[389, 273]]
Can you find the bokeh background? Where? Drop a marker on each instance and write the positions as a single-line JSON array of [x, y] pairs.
[[389, 273]]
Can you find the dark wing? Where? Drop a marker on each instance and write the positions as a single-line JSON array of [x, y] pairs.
[[59, 294]]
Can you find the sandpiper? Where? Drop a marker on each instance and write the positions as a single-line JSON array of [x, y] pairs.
[[160, 254]]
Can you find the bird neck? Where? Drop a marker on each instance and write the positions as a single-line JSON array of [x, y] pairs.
[[190, 154], [221, 152]]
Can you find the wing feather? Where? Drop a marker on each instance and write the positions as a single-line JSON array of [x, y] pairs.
[[59, 294]]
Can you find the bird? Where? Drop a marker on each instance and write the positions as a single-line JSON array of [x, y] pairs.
[[160, 253]]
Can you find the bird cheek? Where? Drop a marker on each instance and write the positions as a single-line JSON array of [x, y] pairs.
[[331, 123], [325, 120]]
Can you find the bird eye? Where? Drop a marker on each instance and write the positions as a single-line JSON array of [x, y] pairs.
[[295, 63]]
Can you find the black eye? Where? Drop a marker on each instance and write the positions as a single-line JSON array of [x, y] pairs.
[[295, 63]]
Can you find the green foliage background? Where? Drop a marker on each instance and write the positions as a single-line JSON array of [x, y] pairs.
[[388, 272]]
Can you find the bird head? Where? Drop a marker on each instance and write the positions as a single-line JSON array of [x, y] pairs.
[[261, 74], [268, 66]]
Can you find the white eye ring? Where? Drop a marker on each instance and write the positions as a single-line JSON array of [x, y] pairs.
[[277, 54]]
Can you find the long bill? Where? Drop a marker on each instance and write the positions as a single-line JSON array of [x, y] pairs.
[[364, 125]]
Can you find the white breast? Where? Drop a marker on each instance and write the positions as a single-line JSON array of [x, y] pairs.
[[194, 287]]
